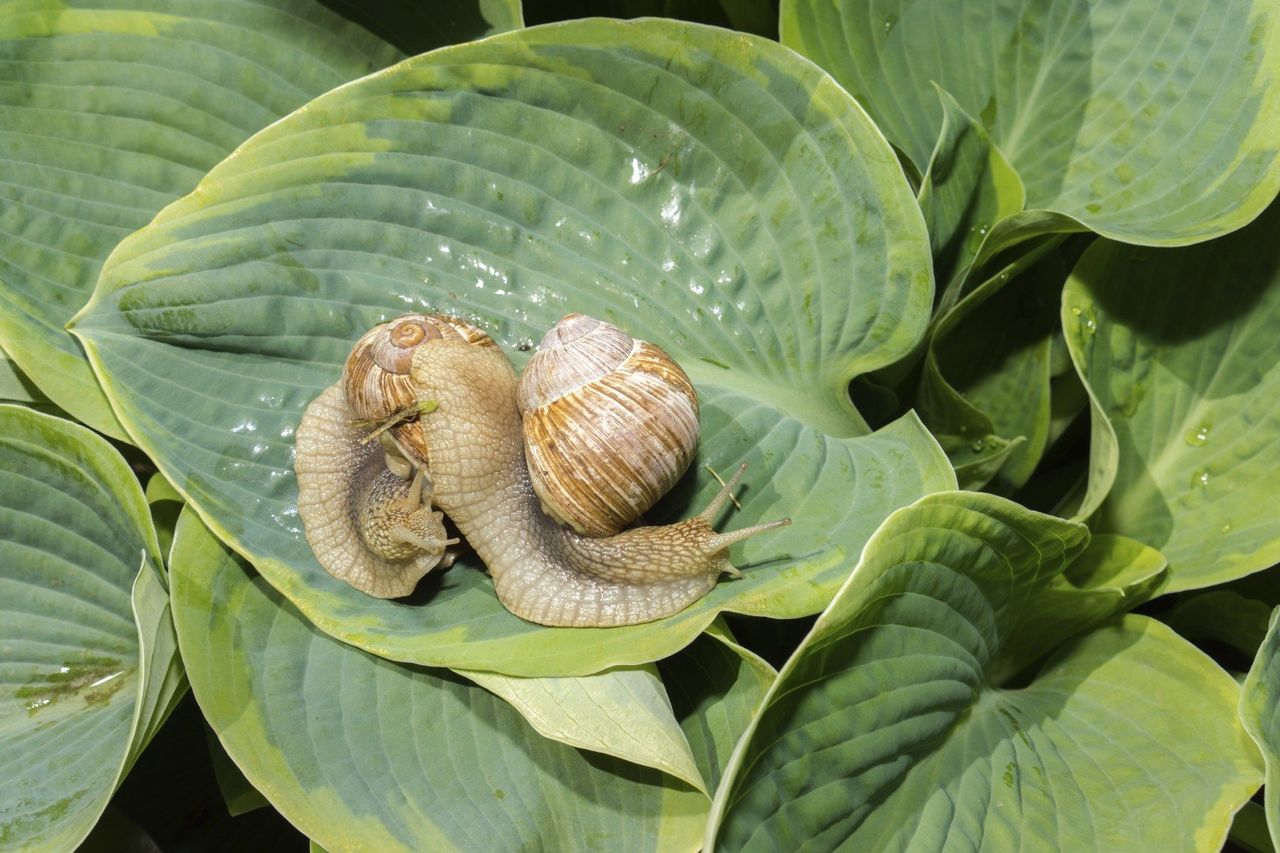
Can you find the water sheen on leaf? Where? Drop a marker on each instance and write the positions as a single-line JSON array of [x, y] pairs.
[[710, 192], [88, 670], [907, 718], [362, 753], [109, 111]]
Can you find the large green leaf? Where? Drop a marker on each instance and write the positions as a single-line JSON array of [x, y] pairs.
[[88, 670], [14, 385], [1145, 122], [906, 719], [1221, 615], [109, 111], [1260, 712], [1180, 349], [359, 752], [712, 192]]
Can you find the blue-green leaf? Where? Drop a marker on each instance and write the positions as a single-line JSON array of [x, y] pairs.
[[713, 193]]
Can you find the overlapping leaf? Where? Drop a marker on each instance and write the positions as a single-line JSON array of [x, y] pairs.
[[89, 669], [902, 722], [716, 686], [1148, 124], [967, 186], [713, 193], [1180, 349], [985, 394], [108, 111], [622, 712], [1260, 711], [359, 752]]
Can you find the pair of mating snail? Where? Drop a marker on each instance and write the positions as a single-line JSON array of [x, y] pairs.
[[541, 477]]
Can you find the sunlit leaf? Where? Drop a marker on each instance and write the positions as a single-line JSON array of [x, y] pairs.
[[731, 204], [621, 712], [907, 719], [1180, 350], [1148, 123], [357, 751], [109, 111], [1260, 711]]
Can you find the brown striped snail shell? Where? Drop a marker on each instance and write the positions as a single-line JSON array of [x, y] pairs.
[[610, 424], [376, 377]]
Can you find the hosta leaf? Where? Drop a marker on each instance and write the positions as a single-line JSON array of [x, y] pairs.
[[982, 392], [108, 111], [622, 712], [905, 720], [967, 186], [1260, 711], [1222, 616], [237, 793], [165, 503], [14, 385], [1147, 124], [716, 686], [357, 751], [88, 671], [732, 205], [1184, 384]]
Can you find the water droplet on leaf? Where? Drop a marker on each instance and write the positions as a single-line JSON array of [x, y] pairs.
[[1198, 437]]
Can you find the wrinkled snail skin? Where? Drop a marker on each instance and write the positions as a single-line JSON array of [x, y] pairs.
[[367, 524], [544, 572]]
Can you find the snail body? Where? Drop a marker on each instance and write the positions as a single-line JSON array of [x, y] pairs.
[[368, 517], [470, 438], [542, 571]]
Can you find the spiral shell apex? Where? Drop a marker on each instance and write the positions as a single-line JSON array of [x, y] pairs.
[[610, 424], [376, 378]]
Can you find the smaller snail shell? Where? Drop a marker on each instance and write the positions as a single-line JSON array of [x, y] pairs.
[[610, 424], [376, 377]]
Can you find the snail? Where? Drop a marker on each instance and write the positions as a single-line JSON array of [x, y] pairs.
[[458, 427]]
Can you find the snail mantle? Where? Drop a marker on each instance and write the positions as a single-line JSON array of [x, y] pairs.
[[542, 477]]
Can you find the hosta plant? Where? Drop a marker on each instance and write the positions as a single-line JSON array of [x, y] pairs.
[[985, 296]]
